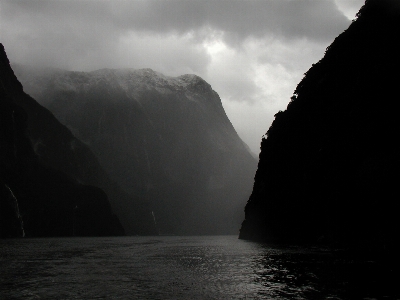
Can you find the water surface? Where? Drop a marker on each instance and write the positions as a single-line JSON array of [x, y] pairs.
[[211, 267]]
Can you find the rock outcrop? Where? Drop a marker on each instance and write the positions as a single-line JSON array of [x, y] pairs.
[[166, 139], [328, 168], [49, 180]]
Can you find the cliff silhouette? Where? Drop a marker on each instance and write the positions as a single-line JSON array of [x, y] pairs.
[[329, 164], [49, 180]]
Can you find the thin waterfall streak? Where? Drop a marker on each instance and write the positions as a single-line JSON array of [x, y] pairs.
[[16, 209], [154, 220]]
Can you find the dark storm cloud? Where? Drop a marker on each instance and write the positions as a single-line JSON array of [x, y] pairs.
[[60, 33], [314, 19], [251, 52]]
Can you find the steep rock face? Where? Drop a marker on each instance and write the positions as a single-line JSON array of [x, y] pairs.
[[164, 138], [328, 168], [43, 169]]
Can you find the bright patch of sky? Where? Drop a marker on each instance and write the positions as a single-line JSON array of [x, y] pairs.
[[252, 52]]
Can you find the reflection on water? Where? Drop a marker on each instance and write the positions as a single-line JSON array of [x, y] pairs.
[[298, 273], [220, 267]]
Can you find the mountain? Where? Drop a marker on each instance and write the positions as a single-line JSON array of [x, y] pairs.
[[328, 168], [50, 182], [164, 138]]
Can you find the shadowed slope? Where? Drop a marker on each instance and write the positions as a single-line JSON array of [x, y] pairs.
[[167, 139], [328, 168], [44, 168]]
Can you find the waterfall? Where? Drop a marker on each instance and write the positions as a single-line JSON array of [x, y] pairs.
[[14, 204], [154, 220]]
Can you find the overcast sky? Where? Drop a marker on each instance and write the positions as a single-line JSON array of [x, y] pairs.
[[253, 53]]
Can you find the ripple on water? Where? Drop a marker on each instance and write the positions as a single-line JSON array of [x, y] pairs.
[[180, 268]]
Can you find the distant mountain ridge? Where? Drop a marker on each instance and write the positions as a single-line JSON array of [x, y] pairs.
[[328, 169], [164, 138]]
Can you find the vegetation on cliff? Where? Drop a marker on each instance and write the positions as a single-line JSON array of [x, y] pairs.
[[328, 168], [48, 178], [165, 139]]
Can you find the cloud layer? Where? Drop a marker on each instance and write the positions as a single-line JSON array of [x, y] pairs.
[[252, 52]]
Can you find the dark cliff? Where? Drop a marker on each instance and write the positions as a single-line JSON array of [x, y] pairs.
[[167, 139], [328, 168], [48, 177]]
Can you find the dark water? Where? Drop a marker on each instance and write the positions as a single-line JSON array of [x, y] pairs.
[[219, 267]]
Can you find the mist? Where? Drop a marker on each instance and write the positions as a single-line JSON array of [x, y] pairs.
[[129, 137], [252, 53]]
